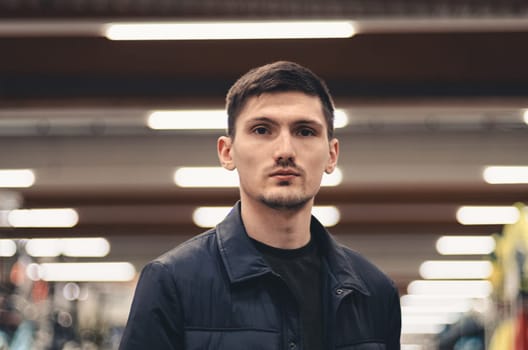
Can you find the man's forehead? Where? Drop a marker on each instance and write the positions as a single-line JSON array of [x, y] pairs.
[[280, 105]]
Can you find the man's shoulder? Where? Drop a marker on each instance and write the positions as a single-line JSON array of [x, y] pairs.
[[192, 265], [195, 250]]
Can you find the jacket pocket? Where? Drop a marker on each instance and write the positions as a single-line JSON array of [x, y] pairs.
[[231, 339], [363, 346]]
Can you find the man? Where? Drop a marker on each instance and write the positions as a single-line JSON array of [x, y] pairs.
[[269, 276]]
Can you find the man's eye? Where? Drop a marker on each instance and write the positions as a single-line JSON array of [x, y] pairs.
[[306, 132], [260, 130]]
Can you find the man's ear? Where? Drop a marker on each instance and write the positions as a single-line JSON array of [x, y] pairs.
[[224, 148], [333, 155]]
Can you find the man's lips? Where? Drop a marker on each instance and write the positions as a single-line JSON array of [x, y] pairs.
[[284, 173]]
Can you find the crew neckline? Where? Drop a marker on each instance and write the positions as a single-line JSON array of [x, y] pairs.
[[305, 250]]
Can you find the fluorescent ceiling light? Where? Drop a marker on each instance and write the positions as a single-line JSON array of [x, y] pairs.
[[208, 119], [411, 347], [64, 217], [441, 319], [86, 247], [506, 174], [16, 178], [470, 289], [333, 179], [205, 177], [465, 245], [449, 303], [327, 215], [437, 299], [74, 247], [56, 27], [462, 269], [422, 300], [43, 247], [424, 328], [211, 216], [188, 120], [435, 309], [8, 248], [442, 301], [340, 119], [213, 177], [82, 272], [483, 215], [229, 30]]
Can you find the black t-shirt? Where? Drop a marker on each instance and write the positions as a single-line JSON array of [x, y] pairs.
[[301, 271]]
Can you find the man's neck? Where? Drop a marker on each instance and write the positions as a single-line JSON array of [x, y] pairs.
[[279, 228]]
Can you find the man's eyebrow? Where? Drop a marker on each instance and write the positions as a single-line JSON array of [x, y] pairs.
[[308, 122], [261, 118], [264, 119]]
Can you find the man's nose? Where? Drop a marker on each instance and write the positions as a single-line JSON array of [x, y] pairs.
[[284, 148]]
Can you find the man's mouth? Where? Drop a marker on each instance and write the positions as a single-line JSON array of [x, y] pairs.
[[285, 173]]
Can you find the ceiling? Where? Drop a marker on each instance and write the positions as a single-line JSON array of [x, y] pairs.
[[435, 91]]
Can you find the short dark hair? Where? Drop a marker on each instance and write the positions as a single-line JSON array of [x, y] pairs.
[[281, 76]]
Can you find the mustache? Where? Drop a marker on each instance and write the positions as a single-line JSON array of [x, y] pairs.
[[287, 163]]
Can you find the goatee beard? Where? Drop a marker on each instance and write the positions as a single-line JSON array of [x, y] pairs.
[[285, 203]]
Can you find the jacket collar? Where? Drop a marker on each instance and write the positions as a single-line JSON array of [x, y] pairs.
[[339, 262], [241, 258], [243, 261]]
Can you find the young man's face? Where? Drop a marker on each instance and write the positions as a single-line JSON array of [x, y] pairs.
[[280, 150]]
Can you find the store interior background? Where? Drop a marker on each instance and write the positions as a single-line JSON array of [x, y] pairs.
[[434, 92]]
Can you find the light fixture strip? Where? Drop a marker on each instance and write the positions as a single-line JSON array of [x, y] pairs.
[[424, 301], [429, 319], [210, 216], [16, 178], [465, 245], [208, 119], [487, 215], [411, 347], [8, 248], [327, 215], [73, 247], [205, 177], [229, 30], [424, 328], [59, 217], [213, 119], [455, 269], [461, 288], [506, 174], [434, 309], [82, 272], [218, 177]]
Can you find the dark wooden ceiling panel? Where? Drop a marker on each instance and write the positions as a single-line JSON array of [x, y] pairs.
[[261, 9]]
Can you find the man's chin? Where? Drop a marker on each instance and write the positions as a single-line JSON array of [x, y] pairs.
[[285, 203]]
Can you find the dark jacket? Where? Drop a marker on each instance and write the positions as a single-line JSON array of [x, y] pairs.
[[216, 292]]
